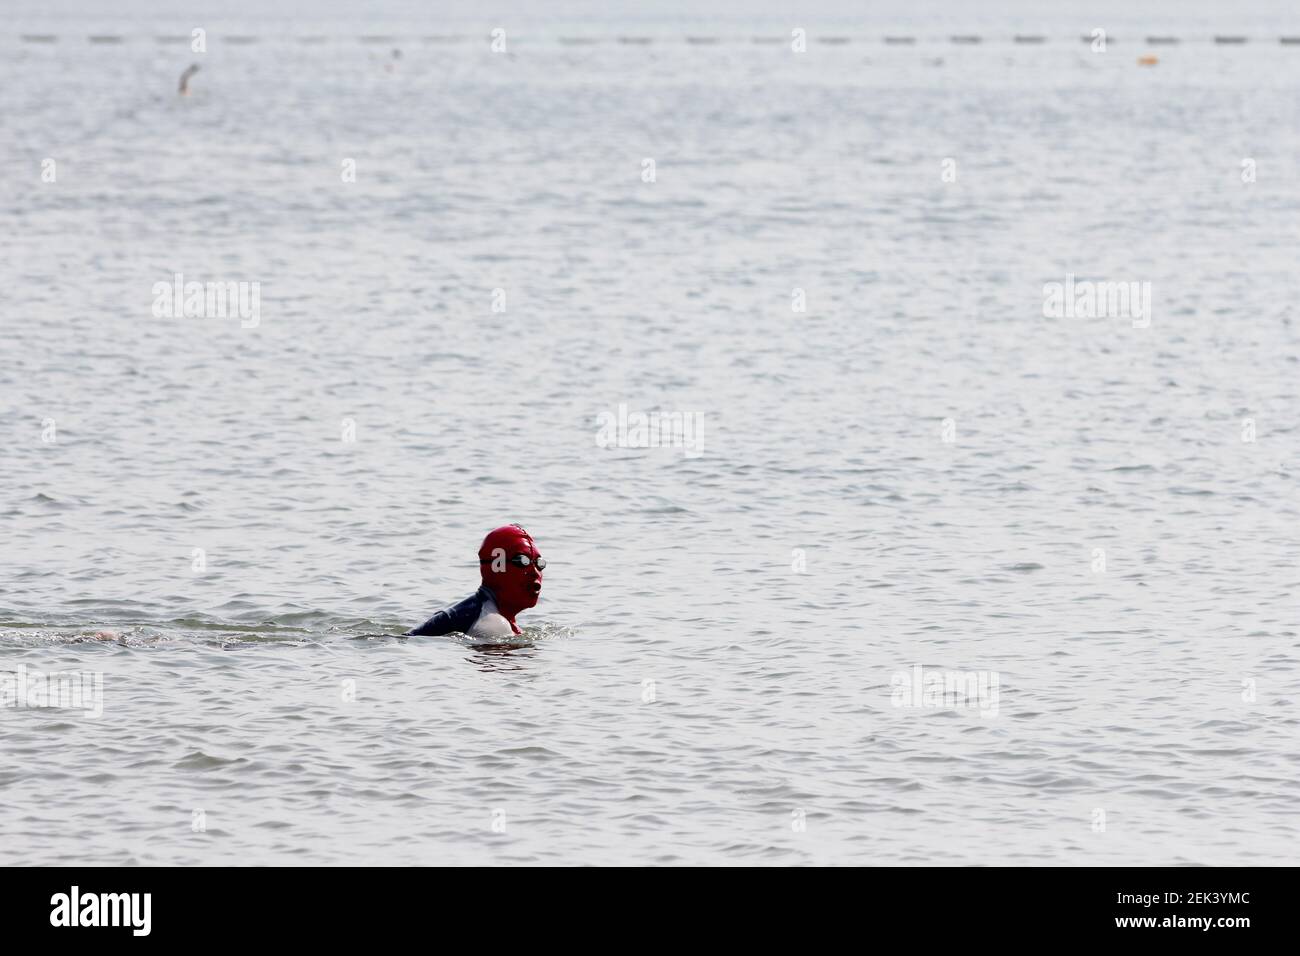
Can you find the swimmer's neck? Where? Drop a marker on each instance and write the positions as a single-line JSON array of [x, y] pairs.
[[505, 610]]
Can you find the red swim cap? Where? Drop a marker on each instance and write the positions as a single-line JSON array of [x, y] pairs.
[[510, 539]]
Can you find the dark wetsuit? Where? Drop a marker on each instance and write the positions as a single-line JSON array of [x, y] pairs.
[[458, 618]]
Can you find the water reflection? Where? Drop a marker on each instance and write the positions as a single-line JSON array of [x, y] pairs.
[[502, 657]]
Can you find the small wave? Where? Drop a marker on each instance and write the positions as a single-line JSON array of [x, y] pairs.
[[198, 760], [301, 628], [531, 636], [37, 637]]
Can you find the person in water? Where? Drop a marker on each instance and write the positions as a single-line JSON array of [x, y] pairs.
[[512, 581], [185, 79]]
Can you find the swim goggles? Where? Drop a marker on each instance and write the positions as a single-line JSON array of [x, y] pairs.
[[520, 561]]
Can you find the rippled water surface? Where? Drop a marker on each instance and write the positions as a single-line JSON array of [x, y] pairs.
[[707, 678]]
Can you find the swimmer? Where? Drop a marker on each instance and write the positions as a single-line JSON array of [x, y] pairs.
[[512, 581], [185, 79]]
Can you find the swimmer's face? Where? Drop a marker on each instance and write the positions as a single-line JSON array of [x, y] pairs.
[[526, 577], [513, 568]]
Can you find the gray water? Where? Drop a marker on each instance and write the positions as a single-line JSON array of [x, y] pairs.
[[230, 525]]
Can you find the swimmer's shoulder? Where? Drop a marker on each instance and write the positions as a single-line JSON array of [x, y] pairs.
[[460, 618], [490, 622]]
